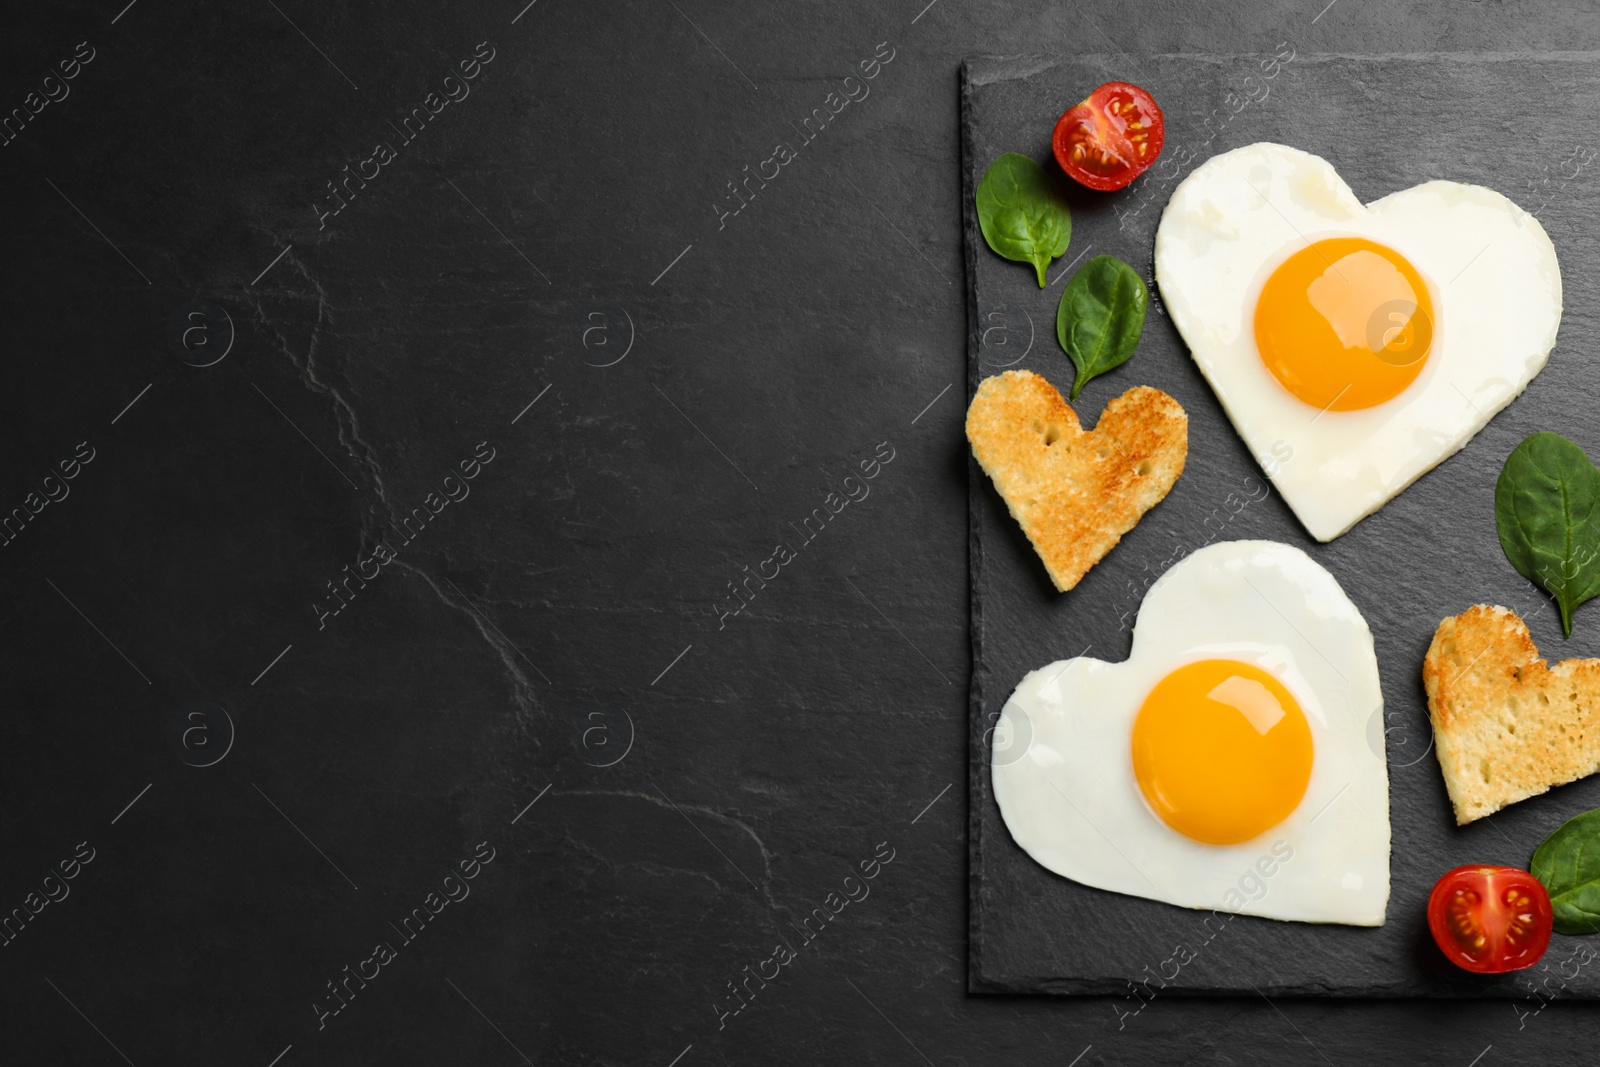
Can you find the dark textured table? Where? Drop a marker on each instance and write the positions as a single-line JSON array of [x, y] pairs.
[[487, 572]]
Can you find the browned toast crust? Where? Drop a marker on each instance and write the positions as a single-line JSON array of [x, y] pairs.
[[1506, 725], [1075, 492]]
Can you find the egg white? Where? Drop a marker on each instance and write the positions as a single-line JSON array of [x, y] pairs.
[[1492, 275], [1062, 761]]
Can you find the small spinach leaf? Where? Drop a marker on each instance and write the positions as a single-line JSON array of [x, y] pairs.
[[1568, 863], [1022, 213], [1100, 317], [1547, 512]]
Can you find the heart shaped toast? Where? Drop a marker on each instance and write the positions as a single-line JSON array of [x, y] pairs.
[[1354, 346], [1506, 725], [1075, 492]]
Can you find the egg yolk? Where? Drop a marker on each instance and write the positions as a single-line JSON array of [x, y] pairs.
[[1345, 323], [1222, 751]]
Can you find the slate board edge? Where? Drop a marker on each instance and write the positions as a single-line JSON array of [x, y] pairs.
[[976, 764]]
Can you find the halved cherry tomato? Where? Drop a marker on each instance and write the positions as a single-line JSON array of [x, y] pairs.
[[1490, 919], [1111, 138]]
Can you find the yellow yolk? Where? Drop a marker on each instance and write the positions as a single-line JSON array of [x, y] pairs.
[[1222, 751], [1345, 323]]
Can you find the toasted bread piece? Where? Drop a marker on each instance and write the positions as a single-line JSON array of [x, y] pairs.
[[1506, 726], [1075, 492]]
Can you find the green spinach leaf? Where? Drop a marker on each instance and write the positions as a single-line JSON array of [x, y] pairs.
[[1022, 212], [1547, 512], [1568, 863], [1100, 317]]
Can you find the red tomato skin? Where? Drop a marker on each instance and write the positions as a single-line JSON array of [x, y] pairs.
[[1106, 132], [1487, 885]]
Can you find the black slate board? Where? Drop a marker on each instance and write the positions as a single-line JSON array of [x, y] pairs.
[[1386, 122]]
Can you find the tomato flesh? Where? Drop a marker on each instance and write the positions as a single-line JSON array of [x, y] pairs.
[[1489, 920], [1111, 138]]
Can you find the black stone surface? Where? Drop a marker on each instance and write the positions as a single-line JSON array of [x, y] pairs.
[[1429, 553], [463, 684]]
